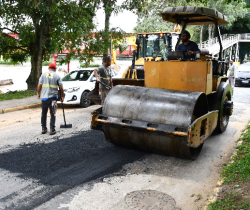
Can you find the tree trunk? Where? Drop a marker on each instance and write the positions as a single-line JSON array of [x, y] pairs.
[[37, 52], [106, 4], [36, 70]]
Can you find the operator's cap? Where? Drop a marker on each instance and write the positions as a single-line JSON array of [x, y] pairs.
[[185, 32], [52, 65]]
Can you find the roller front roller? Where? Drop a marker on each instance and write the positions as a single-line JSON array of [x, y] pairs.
[[168, 122]]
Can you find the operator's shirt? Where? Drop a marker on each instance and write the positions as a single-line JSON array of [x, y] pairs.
[[191, 46], [104, 76], [232, 70], [50, 82]]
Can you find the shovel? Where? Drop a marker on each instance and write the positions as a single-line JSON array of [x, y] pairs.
[[106, 86], [65, 125]]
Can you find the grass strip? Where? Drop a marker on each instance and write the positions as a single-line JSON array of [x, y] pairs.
[[83, 65], [235, 193], [17, 94], [8, 63]]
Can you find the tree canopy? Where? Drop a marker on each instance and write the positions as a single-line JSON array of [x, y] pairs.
[[42, 27], [112, 6], [47, 27], [241, 25], [149, 20]]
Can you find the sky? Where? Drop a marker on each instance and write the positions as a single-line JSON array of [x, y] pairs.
[[125, 20]]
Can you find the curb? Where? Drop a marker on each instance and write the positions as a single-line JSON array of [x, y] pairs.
[[216, 190], [19, 108]]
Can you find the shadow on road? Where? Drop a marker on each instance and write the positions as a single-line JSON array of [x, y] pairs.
[[58, 166], [68, 161]]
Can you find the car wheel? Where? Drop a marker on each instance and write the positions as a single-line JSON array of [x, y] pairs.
[[84, 103]]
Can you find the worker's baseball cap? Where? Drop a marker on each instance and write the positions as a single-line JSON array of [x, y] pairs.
[[185, 32], [52, 65]]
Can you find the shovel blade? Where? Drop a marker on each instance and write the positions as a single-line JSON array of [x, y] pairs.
[[66, 126]]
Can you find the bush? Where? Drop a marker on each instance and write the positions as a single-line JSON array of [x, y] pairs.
[[46, 63], [7, 63], [83, 65]]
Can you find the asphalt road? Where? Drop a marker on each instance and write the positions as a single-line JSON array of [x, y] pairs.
[[78, 169]]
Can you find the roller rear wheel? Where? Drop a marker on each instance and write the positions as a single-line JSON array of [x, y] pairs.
[[224, 96]]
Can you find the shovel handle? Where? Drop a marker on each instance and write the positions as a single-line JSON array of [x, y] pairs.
[[64, 115]]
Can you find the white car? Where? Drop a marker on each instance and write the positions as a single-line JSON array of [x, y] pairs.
[[242, 76], [77, 84]]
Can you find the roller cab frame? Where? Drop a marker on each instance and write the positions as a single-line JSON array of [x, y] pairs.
[[145, 43], [159, 42], [178, 105]]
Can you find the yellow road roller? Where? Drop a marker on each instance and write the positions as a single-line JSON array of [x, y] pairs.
[[178, 104]]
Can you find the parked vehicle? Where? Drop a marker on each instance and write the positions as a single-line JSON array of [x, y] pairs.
[[242, 76], [77, 84]]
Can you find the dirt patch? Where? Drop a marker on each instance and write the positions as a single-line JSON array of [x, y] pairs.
[[234, 195]]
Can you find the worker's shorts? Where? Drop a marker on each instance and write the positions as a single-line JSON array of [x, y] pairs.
[[103, 94], [231, 81]]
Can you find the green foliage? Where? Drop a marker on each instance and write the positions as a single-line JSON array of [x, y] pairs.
[[233, 201], [7, 63], [83, 65], [232, 10], [17, 94], [149, 19], [236, 172], [239, 170], [241, 25], [44, 27], [112, 6], [46, 63], [244, 49], [94, 45]]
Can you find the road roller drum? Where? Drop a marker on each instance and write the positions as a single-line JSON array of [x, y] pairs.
[[154, 119]]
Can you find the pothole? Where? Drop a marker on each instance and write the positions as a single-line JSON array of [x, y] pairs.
[[149, 200]]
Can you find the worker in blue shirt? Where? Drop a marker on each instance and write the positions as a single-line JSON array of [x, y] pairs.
[[188, 47]]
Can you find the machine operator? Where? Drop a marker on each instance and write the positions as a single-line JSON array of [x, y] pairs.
[[190, 48]]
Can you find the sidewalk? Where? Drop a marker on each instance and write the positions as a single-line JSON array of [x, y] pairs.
[[18, 104]]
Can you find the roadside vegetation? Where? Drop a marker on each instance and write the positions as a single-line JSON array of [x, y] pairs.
[[235, 192], [46, 63], [83, 65], [7, 63], [16, 94]]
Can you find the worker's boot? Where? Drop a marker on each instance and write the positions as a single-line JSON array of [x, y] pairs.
[[52, 131], [44, 130]]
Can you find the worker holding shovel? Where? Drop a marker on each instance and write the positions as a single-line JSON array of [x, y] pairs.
[[104, 80], [47, 90]]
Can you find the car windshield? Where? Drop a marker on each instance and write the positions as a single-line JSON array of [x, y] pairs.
[[82, 75]]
